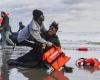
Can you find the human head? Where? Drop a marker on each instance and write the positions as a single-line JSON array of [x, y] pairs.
[[20, 23], [38, 15], [53, 28], [3, 14]]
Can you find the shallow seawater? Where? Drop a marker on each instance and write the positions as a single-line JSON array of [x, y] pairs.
[[79, 26], [70, 45], [19, 73]]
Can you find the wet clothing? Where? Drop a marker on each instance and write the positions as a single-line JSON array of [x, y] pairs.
[[21, 27], [36, 53], [54, 39], [32, 32], [6, 32]]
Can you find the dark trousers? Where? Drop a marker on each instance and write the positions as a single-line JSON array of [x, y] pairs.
[[27, 43], [33, 55]]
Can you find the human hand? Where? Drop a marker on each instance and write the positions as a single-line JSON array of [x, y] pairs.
[[44, 46]]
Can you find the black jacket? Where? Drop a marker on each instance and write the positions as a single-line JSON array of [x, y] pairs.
[[54, 39], [5, 23]]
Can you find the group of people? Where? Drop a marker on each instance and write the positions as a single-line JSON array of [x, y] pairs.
[[34, 35]]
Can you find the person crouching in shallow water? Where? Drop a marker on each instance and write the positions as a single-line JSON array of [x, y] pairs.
[[6, 32], [30, 34], [36, 53]]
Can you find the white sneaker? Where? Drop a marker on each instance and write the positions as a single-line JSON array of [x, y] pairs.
[[50, 70]]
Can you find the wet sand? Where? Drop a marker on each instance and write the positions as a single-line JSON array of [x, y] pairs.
[[19, 73]]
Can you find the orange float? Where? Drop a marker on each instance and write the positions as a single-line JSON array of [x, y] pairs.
[[83, 49], [55, 57]]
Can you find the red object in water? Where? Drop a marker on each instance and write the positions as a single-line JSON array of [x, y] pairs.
[[88, 62], [83, 49], [55, 57]]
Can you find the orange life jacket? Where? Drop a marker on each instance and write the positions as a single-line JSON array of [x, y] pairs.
[[55, 57], [93, 60], [88, 61]]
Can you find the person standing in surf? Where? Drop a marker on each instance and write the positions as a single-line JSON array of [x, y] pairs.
[[6, 30]]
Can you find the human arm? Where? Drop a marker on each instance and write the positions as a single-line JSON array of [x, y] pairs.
[[35, 33]]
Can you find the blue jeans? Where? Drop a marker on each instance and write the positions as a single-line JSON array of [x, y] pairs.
[[5, 38]]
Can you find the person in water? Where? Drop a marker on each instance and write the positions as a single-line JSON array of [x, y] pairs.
[[88, 62], [36, 52], [6, 31], [31, 33], [21, 26], [34, 56]]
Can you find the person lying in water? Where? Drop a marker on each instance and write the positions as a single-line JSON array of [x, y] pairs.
[[88, 62], [34, 56]]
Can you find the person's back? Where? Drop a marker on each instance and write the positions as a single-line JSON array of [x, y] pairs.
[[23, 34], [29, 32], [21, 26], [35, 54]]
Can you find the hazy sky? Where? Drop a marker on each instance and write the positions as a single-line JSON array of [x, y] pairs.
[[72, 15]]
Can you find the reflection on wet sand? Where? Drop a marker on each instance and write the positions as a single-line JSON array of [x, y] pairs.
[[90, 68], [19, 73], [32, 74], [56, 75], [1, 76]]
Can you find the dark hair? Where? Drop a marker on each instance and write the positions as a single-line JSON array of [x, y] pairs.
[[37, 13], [20, 22], [3, 13], [54, 24]]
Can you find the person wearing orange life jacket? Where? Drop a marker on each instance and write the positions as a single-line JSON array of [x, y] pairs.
[[6, 31], [56, 75], [35, 55], [36, 52], [51, 36], [88, 62]]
